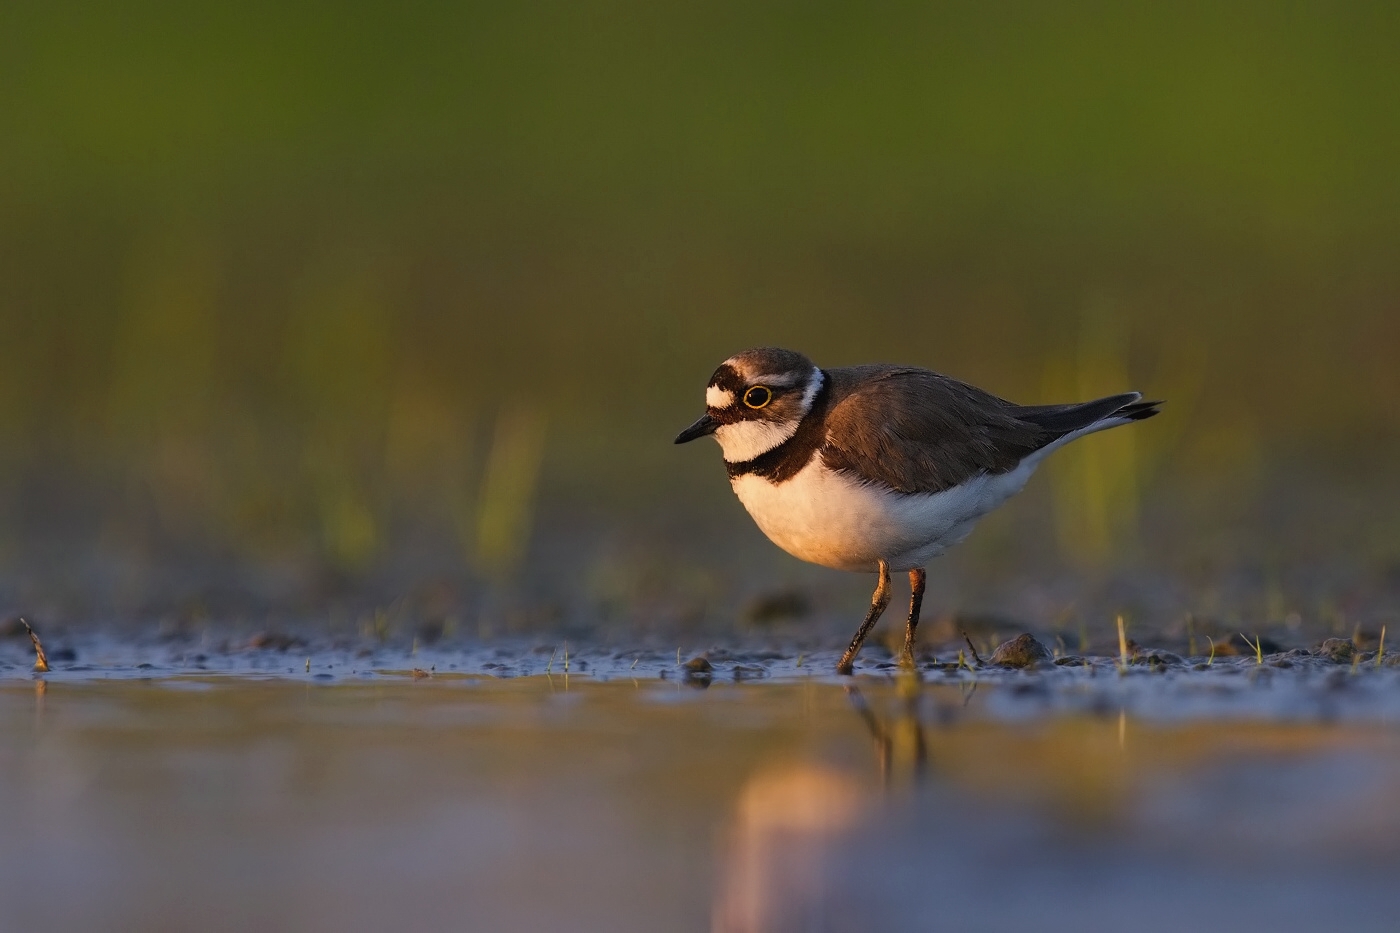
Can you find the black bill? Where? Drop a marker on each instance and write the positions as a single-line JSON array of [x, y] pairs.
[[704, 425]]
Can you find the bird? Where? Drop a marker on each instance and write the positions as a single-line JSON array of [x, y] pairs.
[[879, 468]]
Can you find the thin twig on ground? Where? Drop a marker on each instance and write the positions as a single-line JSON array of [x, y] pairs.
[[1122, 646], [973, 648], [41, 660]]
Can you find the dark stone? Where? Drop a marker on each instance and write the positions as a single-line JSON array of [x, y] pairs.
[[1021, 652], [1156, 658], [1340, 650], [698, 671]]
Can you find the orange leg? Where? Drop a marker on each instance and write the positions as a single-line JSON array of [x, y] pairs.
[[878, 602], [917, 578]]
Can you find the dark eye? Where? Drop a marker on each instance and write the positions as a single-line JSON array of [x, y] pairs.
[[757, 396]]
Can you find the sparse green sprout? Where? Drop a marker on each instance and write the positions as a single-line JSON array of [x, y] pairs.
[[1211, 659], [800, 656], [550, 667], [566, 657], [1380, 652], [308, 665], [634, 663], [1257, 645]]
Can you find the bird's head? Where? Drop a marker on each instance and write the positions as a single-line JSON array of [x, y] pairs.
[[755, 401]]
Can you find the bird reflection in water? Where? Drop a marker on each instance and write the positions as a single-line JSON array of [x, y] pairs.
[[900, 747], [790, 819]]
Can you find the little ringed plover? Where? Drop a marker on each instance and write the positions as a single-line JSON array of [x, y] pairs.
[[879, 468]]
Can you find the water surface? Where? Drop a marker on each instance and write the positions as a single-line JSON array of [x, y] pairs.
[[223, 803]]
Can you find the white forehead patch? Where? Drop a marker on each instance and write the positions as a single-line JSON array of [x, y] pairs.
[[715, 397]]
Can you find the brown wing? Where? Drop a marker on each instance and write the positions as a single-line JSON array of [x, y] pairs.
[[918, 431]]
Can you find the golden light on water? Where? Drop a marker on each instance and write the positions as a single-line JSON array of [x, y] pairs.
[[742, 807]]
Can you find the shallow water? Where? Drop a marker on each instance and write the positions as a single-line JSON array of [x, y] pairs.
[[226, 802]]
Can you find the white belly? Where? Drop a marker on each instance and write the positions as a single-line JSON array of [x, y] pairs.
[[827, 518]]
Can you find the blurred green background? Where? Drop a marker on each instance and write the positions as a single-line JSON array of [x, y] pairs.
[[313, 305]]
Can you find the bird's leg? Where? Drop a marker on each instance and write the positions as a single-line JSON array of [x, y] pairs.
[[878, 602], [917, 578]]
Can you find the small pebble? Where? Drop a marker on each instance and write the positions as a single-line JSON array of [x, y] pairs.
[[1340, 650], [1021, 652]]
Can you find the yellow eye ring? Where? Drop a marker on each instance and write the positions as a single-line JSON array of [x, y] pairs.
[[758, 396]]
